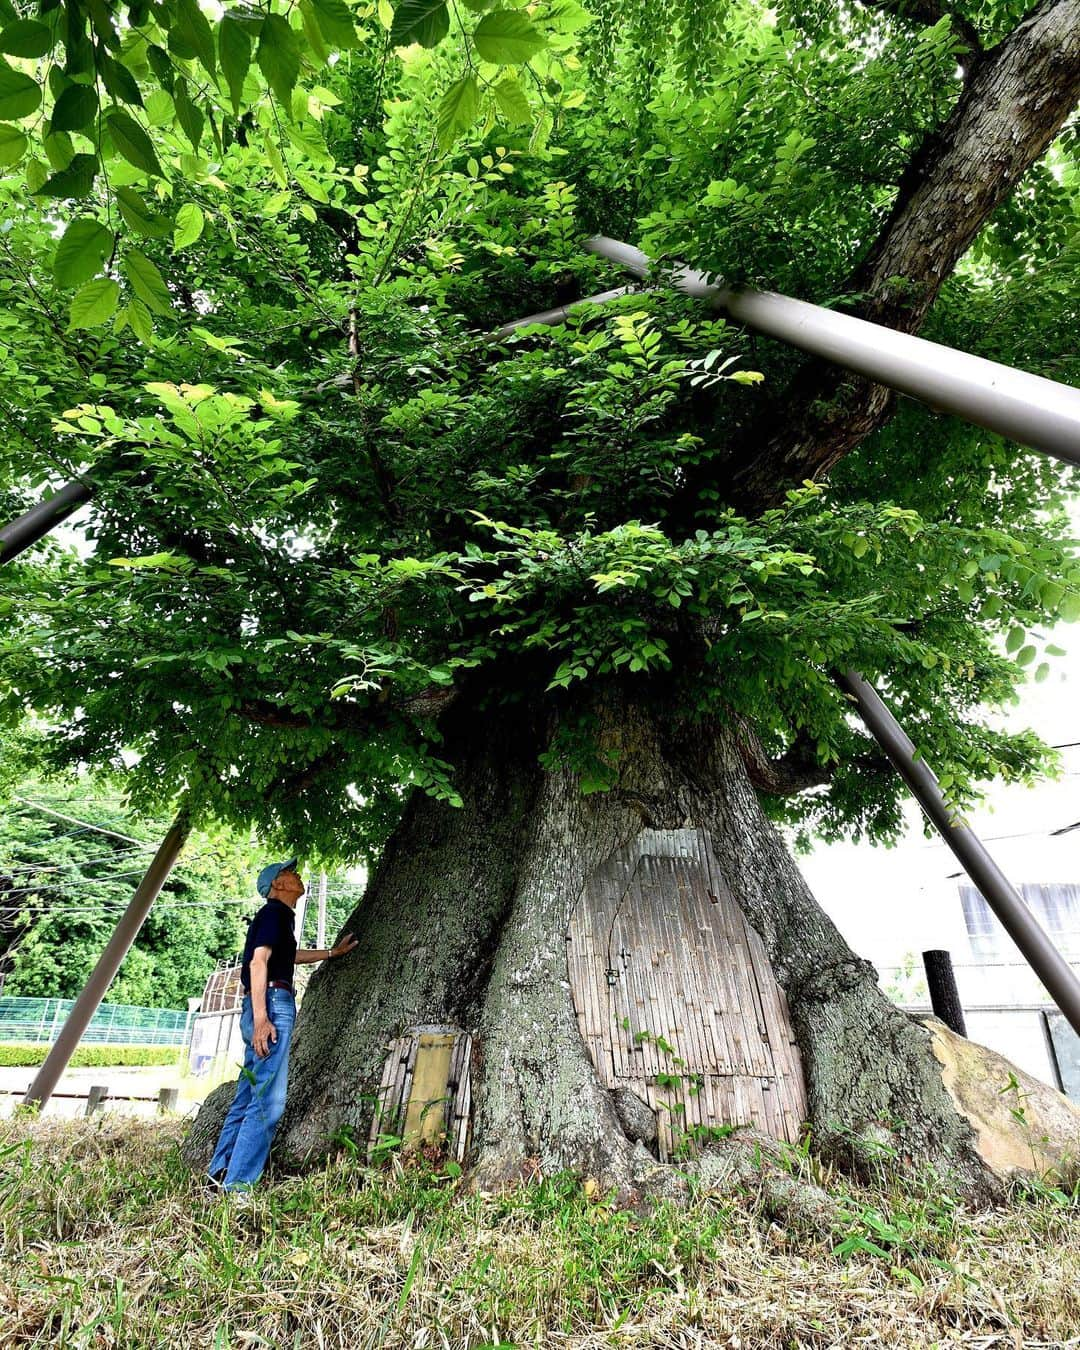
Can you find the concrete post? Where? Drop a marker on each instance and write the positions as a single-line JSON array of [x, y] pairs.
[[95, 1099]]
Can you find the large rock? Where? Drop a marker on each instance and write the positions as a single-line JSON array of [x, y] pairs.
[[1020, 1123]]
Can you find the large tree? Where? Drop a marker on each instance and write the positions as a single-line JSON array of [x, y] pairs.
[[477, 611]]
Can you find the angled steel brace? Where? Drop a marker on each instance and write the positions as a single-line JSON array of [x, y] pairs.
[[983, 392], [1000, 894], [1026, 408], [108, 963], [40, 519]]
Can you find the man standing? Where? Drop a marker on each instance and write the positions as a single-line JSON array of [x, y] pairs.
[[266, 1023]]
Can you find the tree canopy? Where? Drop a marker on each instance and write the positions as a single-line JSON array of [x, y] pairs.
[[253, 264]]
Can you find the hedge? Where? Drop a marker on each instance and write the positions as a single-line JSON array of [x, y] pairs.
[[17, 1056]]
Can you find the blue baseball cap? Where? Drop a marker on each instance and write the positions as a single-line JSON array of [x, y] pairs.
[[269, 874]]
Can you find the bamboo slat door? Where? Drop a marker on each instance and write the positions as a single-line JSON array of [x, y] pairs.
[[675, 997]]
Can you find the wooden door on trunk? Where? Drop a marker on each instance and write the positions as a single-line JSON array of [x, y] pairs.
[[674, 995]]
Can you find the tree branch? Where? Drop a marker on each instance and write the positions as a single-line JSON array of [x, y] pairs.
[[429, 702], [926, 13], [795, 771], [1016, 101]]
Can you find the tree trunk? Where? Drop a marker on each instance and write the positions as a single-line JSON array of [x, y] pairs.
[[1015, 100], [465, 922]]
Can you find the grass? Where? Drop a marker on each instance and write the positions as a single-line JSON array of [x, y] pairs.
[[16, 1055], [108, 1241]]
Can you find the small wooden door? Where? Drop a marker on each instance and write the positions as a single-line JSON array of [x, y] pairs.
[[675, 997]]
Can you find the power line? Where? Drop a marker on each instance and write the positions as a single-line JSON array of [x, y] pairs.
[[124, 853], [74, 820]]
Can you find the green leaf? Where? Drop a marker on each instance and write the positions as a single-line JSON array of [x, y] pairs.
[[279, 57], [94, 303], [506, 38], [189, 225], [75, 109], [1015, 640], [1026, 655], [189, 116], [82, 251], [336, 21], [139, 217], [234, 48], [457, 110], [132, 142], [512, 102], [20, 96], [36, 175], [194, 28], [316, 39], [77, 180], [1069, 609], [147, 282], [26, 37], [424, 21], [59, 149], [138, 316], [12, 144], [120, 82], [160, 108]]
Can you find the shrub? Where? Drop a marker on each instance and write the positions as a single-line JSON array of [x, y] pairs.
[[17, 1056]]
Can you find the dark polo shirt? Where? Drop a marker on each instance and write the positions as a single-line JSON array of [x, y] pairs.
[[271, 927]]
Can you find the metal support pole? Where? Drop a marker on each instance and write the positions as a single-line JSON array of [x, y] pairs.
[[40, 519], [944, 995], [1039, 413], [43, 1086], [1002, 897]]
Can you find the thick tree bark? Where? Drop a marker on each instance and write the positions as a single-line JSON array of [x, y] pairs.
[[1013, 104], [465, 923]]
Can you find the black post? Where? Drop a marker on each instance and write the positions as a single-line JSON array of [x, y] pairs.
[[40, 519], [944, 995]]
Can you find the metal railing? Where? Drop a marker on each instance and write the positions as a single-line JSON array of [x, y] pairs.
[[39, 1020]]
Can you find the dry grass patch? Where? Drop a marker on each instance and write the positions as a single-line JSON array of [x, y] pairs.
[[108, 1241]]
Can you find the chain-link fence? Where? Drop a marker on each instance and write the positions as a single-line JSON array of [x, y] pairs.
[[38, 1020]]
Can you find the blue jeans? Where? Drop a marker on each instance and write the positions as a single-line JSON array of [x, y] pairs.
[[244, 1143]]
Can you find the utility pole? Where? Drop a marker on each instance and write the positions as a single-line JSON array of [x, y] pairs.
[[44, 1084], [320, 932]]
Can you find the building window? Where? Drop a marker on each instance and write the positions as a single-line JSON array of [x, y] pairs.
[[1056, 905]]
